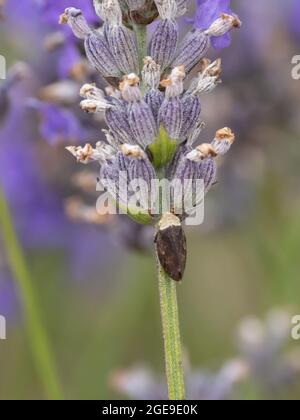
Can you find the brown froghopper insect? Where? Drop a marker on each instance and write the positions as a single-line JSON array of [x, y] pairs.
[[171, 246]]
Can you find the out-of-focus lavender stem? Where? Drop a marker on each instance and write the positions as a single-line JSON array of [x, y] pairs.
[[36, 332]]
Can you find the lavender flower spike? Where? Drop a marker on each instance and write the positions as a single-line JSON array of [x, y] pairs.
[[164, 40], [149, 165]]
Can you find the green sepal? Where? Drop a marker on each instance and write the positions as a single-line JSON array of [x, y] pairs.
[[163, 149]]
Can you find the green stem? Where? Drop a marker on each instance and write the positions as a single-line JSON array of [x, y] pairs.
[[141, 36], [171, 335], [37, 335]]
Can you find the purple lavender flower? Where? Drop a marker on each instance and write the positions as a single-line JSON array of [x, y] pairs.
[[147, 128], [207, 12], [58, 124]]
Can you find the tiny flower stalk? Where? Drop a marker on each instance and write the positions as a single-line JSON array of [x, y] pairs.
[[171, 335], [153, 117]]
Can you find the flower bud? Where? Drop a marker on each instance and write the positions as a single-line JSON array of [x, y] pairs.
[[75, 19], [102, 153], [93, 106], [200, 164], [201, 152], [223, 25], [181, 7], [223, 140], [171, 111], [171, 116], [208, 78], [90, 91], [151, 73], [133, 151], [207, 171], [191, 114], [154, 98], [193, 47], [117, 119], [98, 6], [178, 158], [111, 12], [174, 83], [124, 48], [140, 117], [164, 42], [131, 171], [99, 55], [130, 89], [142, 175]]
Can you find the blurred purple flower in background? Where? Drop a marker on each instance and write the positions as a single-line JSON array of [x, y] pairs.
[[141, 383], [37, 203], [265, 358], [35, 184], [207, 12], [58, 124], [295, 17], [35, 194]]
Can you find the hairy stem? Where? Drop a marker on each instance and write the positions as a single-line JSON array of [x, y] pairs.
[[37, 335], [171, 336]]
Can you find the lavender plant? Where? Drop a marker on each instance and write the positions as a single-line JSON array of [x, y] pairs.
[[154, 120]]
